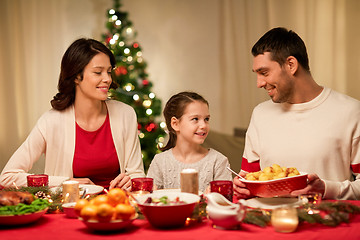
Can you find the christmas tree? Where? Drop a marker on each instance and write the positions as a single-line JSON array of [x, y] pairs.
[[134, 87]]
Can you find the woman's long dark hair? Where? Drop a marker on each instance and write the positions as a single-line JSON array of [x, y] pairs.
[[75, 59], [175, 107]]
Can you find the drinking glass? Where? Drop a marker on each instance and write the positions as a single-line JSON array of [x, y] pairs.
[[309, 202], [224, 187], [142, 184], [37, 180]]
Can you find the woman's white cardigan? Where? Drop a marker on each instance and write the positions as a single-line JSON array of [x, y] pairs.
[[54, 136]]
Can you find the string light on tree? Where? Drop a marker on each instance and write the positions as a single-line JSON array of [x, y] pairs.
[[134, 87]]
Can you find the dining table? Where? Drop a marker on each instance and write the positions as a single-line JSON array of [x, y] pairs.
[[53, 226]]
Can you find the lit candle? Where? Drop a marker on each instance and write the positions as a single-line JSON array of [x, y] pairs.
[[70, 191], [37, 180], [284, 219], [189, 181]]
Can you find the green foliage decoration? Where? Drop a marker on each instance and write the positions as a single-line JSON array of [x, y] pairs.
[[132, 80]]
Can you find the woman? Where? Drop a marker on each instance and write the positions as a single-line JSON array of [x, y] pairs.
[[85, 136]]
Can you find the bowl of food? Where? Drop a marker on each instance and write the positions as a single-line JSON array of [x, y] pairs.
[[17, 208], [106, 212], [275, 181], [167, 209], [112, 225]]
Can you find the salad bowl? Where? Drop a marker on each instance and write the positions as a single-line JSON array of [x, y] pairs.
[[171, 213]]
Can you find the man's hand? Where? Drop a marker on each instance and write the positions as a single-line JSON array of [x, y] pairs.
[[240, 190], [315, 185]]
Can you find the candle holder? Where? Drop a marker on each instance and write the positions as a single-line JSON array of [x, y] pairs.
[[189, 181], [37, 180], [70, 191], [142, 184], [223, 187], [285, 219], [309, 202]]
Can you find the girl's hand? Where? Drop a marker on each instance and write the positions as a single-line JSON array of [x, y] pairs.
[[121, 181], [83, 180], [240, 190]]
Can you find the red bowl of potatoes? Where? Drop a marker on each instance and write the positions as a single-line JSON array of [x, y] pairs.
[[276, 187], [275, 181]]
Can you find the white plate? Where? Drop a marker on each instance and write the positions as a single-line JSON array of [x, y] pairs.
[[92, 189], [271, 203], [172, 190]]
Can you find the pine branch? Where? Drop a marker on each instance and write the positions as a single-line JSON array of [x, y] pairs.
[[334, 214], [257, 217]]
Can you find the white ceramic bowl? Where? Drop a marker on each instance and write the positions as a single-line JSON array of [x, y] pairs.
[[69, 209]]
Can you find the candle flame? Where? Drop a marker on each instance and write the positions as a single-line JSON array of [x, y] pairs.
[[15, 185]]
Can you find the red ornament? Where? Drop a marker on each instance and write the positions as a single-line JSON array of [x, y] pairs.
[[108, 40], [136, 45], [139, 126], [121, 71], [150, 127], [145, 82]]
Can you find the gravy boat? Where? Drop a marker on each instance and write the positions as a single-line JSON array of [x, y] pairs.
[[223, 213]]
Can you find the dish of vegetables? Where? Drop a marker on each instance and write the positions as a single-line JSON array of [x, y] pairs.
[[164, 200], [17, 208]]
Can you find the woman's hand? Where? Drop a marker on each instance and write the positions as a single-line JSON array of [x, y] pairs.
[[83, 180], [240, 190], [121, 181], [315, 185]]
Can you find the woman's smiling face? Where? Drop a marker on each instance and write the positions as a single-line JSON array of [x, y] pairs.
[[96, 78]]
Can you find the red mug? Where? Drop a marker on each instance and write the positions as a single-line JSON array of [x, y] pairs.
[[142, 184], [37, 180], [224, 187]]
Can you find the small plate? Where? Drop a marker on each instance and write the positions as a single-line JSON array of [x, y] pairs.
[[114, 225], [21, 219], [92, 189], [272, 203]]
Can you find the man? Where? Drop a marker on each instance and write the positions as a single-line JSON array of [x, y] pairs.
[[307, 126]]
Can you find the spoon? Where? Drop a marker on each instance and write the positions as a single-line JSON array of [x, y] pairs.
[[84, 193], [235, 173], [133, 197]]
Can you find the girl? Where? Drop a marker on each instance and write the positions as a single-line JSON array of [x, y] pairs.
[[85, 136], [187, 119]]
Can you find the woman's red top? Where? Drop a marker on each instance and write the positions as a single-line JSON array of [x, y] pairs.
[[95, 155]]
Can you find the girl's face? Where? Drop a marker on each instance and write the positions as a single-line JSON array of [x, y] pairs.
[[193, 126], [96, 79]]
